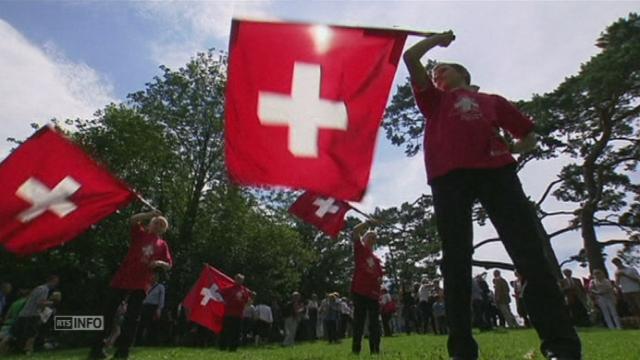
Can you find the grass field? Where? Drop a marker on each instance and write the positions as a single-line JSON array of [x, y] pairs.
[[598, 344]]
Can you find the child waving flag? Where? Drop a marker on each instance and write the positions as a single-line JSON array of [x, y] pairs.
[[467, 160]]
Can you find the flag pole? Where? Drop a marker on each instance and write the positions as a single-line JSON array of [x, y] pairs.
[[146, 202]]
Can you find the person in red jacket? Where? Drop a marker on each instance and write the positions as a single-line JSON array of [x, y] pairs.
[[235, 300], [148, 252], [365, 288], [468, 160]]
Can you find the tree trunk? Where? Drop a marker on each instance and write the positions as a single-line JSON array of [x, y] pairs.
[[591, 244]]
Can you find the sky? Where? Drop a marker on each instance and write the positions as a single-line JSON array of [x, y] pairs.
[[67, 59]]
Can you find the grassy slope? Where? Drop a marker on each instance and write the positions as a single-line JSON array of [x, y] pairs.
[[523, 344]]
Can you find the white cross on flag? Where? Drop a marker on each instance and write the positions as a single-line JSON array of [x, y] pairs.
[[204, 302], [323, 212], [53, 191], [304, 103]]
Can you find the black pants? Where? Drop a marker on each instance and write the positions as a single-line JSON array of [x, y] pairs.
[[148, 331], [426, 315], [501, 195], [331, 327], [313, 323], [130, 324], [230, 337], [364, 307], [386, 324]]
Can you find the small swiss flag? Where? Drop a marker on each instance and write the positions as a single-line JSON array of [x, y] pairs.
[[323, 212], [52, 191], [205, 301], [304, 104]]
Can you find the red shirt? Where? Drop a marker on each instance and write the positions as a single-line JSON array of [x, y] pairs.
[[367, 277], [461, 129], [235, 300], [134, 272]]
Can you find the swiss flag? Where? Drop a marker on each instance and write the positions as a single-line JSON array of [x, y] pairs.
[[323, 212], [304, 103], [205, 302], [53, 191]]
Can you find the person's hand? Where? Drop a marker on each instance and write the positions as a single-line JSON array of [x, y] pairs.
[[157, 315], [445, 38]]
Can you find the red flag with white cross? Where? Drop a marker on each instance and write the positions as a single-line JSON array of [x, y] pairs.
[[52, 191], [323, 212], [304, 103], [205, 302]]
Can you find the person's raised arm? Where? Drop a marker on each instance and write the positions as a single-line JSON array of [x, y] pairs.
[[138, 218], [411, 57]]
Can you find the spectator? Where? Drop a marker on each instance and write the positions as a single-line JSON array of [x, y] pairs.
[[480, 302], [332, 313], [408, 310], [387, 309], [264, 320], [152, 306], [628, 279], [312, 313], [28, 323], [576, 298], [6, 333], [292, 313], [346, 315], [425, 303], [5, 290], [439, 316], [248, 323], [518, 286], [503, 299], [116, 325], [605, 295], [235, 298]]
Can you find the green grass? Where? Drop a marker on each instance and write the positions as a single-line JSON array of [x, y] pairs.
[[598, 344]]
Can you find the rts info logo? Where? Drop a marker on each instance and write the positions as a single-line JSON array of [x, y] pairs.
[[74, 323]]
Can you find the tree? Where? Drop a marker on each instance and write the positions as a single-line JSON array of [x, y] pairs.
[[593, 118]]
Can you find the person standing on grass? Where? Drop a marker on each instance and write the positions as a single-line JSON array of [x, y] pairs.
[[28, 323], [518, 285], [424, 304], [292, 313], [605, 296], [235, 299], [148, 253], [152, 306], [628, 280], [387, 309], [468, 160], [312, 313], [503, 299], [264, 321], [439, 316], [576, 298], [365, 288]]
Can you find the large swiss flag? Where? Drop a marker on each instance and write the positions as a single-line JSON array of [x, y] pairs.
[[53, 191], [323, 212], [205, 302], [304, 103]]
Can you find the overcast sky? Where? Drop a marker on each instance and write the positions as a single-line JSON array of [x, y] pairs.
[[68, 59]]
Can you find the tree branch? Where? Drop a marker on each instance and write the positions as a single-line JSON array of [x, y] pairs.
[[618, 242], [547, 191], [554, 213], [493, 265], [487, 241]]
